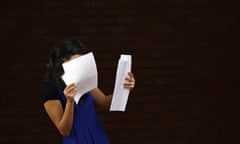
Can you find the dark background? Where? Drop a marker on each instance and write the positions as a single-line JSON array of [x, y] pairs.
[[185, 60]]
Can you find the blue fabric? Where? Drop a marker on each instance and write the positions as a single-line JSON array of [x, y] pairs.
[[86, 128]]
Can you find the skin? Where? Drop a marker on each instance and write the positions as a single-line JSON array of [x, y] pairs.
[[63, 118]]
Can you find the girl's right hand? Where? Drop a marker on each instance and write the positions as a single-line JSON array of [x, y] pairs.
[[70, 91]]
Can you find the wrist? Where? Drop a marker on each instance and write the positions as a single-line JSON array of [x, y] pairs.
[[71, 101]]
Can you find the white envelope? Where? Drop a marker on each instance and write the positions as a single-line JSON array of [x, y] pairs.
[[120, 94]]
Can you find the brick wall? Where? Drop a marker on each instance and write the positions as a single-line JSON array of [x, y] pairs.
[[185, 62]]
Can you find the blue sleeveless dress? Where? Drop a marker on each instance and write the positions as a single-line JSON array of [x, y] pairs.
[[86, 128]]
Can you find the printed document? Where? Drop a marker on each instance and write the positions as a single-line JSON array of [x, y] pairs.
[[83, 72], [120, 94]]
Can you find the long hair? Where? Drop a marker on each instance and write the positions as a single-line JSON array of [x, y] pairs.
[[62, 50]]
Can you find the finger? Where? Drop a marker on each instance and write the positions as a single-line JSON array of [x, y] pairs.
[[129, 85], [130, 75], [130, 79], [71, 86], [73, 93]]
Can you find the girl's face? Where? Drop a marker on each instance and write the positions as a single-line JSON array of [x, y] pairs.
[[71, 57]]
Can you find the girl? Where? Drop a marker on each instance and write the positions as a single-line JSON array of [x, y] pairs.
[[77, 123]]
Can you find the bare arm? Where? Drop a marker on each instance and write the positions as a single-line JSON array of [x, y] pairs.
[[63, 119], [103, 100]]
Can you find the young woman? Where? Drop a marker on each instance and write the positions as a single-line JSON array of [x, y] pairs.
[[77, 123]]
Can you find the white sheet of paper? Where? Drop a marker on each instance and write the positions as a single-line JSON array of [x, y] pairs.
[[83, 72], [120, 94]]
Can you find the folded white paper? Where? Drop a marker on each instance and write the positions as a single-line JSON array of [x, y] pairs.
[[120, 94], [83, 72]]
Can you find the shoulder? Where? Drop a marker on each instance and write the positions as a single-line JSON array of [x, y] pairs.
[[48, 86], [49, 91]]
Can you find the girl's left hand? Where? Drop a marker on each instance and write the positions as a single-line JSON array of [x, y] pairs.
[[130, 81]]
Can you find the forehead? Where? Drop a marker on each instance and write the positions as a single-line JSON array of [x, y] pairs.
[[72, 57]]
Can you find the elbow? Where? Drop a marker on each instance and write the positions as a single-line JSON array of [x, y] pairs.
[[64, 130], [64, 133]]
